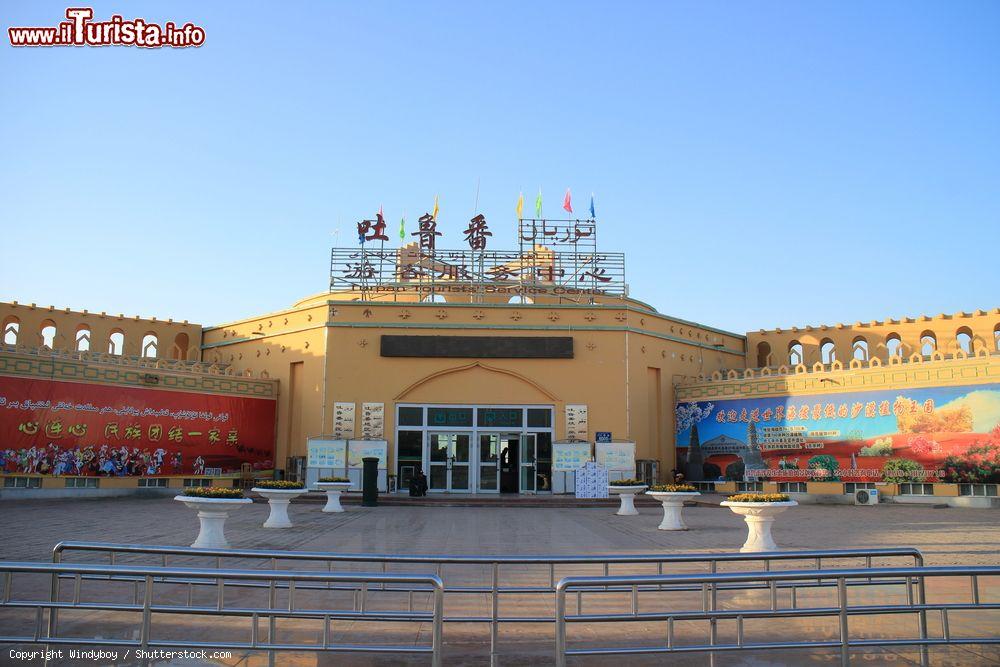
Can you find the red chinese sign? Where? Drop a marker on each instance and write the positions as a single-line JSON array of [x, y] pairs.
[[68, 428]]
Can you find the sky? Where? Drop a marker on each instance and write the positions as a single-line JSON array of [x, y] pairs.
[[761, 164]]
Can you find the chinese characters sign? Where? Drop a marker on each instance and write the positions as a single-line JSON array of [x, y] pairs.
[[576, 422], [388, 270], [68, 428]]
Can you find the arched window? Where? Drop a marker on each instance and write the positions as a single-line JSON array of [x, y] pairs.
[[180, 348], [82, 338], [996, 337], [11, 328], [894, 345], [964, 339], [149, 343], [48, 333], [859, 348], [928, 343], [520, 299], [827, 351], [763, 354], [795, 353], [434, 298], [116, 342]]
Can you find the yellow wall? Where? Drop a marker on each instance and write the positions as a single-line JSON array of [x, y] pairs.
[[980, 325], [175, 340], [620, 347]]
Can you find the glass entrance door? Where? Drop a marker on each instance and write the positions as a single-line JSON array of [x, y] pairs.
[[449, 461], [528, 463], [489, 463]]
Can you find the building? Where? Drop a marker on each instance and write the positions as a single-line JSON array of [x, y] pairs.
[[475, 373]]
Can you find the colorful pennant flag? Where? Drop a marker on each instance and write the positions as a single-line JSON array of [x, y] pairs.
[[434, 214], [593, 215], [538, 204], [567, 204], [520, 205]]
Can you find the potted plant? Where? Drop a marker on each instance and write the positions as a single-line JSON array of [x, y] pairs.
[[214, 503], [759, 511], [672, 497], [333, 486], [279, 494], [626, 490]]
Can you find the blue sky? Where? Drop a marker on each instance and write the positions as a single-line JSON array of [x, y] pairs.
[[762, 164]]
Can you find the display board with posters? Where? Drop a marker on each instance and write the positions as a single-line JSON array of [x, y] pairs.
[[617, 457], [362, 449], [50, 427], [592, 481], [569, 456], [907, 434], [326, 453]]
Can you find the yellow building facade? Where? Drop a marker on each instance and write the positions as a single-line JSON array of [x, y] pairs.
[[464, 374]]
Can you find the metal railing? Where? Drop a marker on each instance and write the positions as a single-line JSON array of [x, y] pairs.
[[146, 602], [711, 612], [490, 571]]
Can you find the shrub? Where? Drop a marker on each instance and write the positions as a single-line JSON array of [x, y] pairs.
[[280, 485], [334, 479], [213, 492], [735, 471], [672, 488], [900, 470], [758, 498], [711, 471]]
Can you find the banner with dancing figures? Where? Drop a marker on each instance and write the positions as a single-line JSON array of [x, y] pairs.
[[49, 427], [931, 434]]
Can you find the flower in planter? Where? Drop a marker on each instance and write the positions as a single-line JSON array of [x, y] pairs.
[[758, 498], [280, 485], [333, 480], [672, 488], [627, 482], [213, 492]]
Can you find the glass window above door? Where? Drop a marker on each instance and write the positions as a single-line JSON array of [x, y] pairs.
[[500, 417], [438, 417]]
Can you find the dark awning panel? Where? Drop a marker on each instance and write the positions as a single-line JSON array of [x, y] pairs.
[[479, 347]]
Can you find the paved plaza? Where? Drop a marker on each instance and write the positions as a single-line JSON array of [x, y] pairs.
[[947, 536]]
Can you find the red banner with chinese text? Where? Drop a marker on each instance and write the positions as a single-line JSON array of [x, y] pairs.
[[69, 428]]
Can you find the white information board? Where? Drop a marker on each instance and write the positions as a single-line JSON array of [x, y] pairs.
[[325, 453], [360, 449], [616, 456], [569, 456], [592, 481]]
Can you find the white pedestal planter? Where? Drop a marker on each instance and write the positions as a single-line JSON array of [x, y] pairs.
[[673, 503], [759, 517], [277, 500], [212, 513], [627, 495], [333, 491]]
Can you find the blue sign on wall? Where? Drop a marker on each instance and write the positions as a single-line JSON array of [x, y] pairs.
[[603, 436]]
